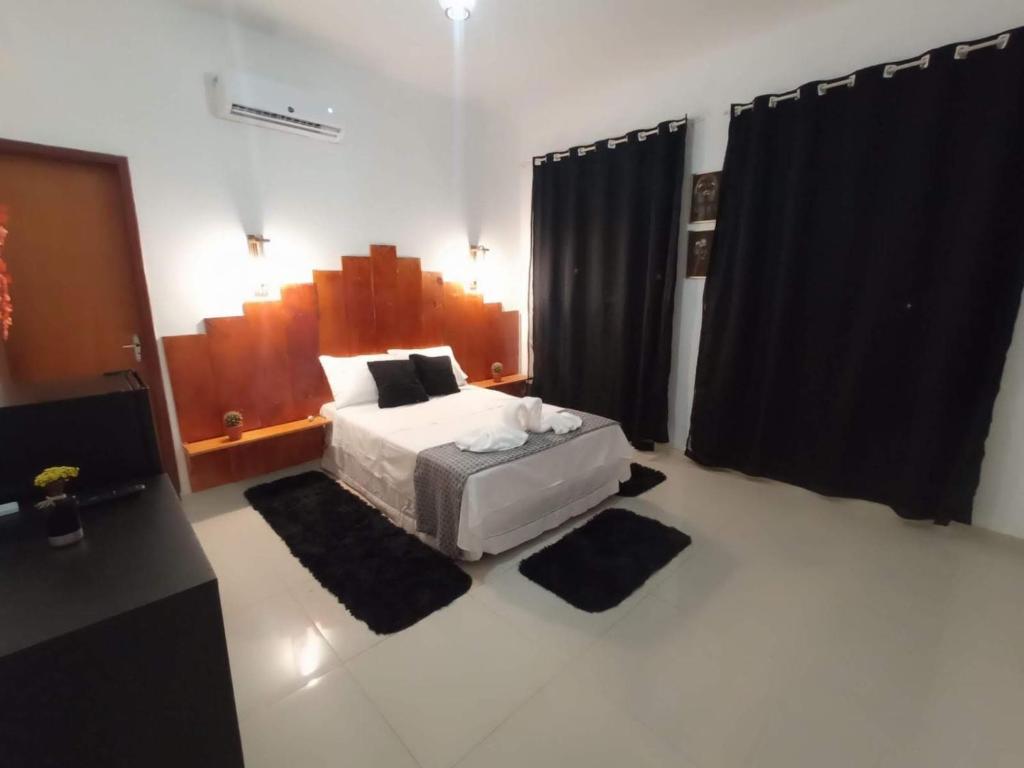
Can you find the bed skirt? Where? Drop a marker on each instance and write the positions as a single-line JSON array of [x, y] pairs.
[[537, 512]]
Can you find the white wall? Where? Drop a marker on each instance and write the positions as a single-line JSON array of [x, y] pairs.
[[127, 77], [829, 43], [495, 192]]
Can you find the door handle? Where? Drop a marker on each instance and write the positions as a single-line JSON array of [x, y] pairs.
[[135, 347]]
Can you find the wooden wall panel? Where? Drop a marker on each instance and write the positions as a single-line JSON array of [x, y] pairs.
[[357, 282], [194, 386], [432, 312], [463, 331], [491, 351], [272, 387], [332, 325], [507, 341], [384, 269], [233, 359], [302, 334], [409, 317], [454, 322], [477, 339], [264, 363]]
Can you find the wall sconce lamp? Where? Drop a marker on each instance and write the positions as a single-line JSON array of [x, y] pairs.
[[255, 243], [477, 255]]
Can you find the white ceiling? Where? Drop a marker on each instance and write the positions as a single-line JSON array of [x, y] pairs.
[[516, 52]]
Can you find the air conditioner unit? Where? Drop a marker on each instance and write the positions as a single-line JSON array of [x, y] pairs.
[[257, 101]]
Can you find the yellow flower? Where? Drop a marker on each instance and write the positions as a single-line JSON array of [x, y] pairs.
[[53, 474]]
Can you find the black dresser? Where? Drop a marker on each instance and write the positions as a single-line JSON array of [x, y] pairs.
[[112, 650]]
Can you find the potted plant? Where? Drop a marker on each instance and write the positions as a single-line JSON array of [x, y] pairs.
[[496, 370], [233, 424], [63, 525]]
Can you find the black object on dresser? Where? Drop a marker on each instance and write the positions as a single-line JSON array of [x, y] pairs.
[[112, 651], [102, 424]]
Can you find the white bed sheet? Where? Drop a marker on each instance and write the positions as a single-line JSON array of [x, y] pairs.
[[375, 449]]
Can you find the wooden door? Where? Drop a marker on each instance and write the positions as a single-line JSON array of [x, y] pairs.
[[75, 309], [78, 289]]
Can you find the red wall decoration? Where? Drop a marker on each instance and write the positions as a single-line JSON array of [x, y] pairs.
[[6, 304]]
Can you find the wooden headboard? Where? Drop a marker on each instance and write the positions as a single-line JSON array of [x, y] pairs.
[[264, 362]]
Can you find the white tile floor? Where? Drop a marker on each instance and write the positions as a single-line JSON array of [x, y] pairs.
[[795, 631]]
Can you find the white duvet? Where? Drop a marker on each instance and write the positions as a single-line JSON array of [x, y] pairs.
[[385, 441]]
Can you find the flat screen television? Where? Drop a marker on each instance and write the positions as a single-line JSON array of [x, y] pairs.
[[103, 425]]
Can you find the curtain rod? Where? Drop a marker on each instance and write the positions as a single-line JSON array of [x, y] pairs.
[[960, 52], [641, 136]]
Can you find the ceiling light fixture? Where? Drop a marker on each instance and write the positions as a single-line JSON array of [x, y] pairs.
[[457, 10]]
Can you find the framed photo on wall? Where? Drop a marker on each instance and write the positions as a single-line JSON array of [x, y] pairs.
[[698, 253], [704, 203]]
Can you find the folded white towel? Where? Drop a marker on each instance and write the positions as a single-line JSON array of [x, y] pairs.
[[524, 414], [514, 415], [560, 423], [487, 439]]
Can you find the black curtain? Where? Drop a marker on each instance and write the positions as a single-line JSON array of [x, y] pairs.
[[604, 253], [866, 275]]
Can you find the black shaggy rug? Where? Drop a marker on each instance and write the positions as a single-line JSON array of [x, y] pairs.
[[600, 564], [385, 577], [641, 481]]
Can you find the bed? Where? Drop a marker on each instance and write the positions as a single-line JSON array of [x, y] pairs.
[[374, 452]]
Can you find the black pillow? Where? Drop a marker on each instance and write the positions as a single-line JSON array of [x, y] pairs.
[[436, 374], [397, 383]]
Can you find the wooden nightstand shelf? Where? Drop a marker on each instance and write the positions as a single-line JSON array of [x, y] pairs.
[[516, 384], [217, 460], [202, 447]]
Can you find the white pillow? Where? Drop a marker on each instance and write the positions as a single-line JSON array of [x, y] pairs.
[[350, 379], [460, 375]]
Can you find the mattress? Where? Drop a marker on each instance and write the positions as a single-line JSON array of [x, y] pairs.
[[374, 450]]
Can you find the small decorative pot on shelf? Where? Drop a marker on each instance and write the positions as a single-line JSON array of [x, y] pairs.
[[63, 524], [233, 425], [497, 369]]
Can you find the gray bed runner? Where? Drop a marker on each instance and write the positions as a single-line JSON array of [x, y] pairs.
[[441, 474]]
